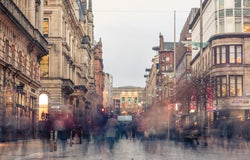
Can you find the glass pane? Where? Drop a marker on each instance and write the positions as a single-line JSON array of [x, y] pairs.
[[217, 55], [221, 26], [246, 3], [229, 12], [237, 3], [46, 27], [221, 13], [239, 86], [224, 86], [232, 54], [44, 66], [221, 4], [232, 86], [238, 54], [238, 24], [237, 12]]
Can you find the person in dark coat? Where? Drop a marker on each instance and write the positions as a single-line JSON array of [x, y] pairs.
[[44, 133]]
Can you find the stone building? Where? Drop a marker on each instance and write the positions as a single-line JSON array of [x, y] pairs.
[[21, 48], [68, 71], [98, 73], [107, 93], [131, 99], [221, 63]]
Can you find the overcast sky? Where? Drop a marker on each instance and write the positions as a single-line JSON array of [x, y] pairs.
[[130, 28]]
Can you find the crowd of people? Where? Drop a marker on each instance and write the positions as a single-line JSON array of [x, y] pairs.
[[105, 131]]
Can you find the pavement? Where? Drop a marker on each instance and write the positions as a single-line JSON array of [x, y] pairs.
[[124, 149]]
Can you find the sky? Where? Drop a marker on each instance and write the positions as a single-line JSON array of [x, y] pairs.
[[129, 29]]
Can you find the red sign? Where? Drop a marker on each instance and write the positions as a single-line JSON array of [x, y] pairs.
[[210, 98]]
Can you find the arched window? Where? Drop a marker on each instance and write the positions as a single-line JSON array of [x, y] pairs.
[[43, 107]]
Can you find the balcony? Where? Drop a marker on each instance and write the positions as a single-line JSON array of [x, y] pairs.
[[68, 86]]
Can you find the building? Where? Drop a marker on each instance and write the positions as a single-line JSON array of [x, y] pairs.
[[130, 99], [150, 89], [107, 93], [220, 64], [160, 79], [22, 47], [67, 73], [98, 72], [186, 107]]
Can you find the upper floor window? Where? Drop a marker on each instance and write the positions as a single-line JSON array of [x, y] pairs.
[[44, 66], [46, 27], [221, 86], [228, 54], [235, 86], [237, 3], [246, 3]]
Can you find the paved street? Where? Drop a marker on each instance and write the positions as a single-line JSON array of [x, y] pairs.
[[124, 150]]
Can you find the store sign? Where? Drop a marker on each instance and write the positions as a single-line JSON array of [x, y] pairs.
[[240, 101]]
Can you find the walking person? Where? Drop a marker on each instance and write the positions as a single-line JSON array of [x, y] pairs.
[[63, 133], [111, 128], [44, 134]]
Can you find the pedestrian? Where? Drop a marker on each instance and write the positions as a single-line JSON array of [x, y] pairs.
[[44, 133], [98, 132], [62, 132], [111, 128]]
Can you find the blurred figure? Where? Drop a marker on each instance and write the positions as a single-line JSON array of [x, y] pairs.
[[98, 132], [111, 128], [44, 133], [63, 133], [25, 133]]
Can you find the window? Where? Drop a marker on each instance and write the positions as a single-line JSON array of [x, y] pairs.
[[44, 66], [238, 54], [223, 54], [123, 99], [135, 100], [246, 15], [229, 12], [237, 3], [129, 100], [235, 54], [246, 3], [46, 27], [235, 86], [221, 86], [228, 54], [221, 4]]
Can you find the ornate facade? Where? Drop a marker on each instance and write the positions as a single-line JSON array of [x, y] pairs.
[[99, 74], [68, 72], [21, 48]]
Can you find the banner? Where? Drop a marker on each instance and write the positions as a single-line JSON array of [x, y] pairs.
[[210, 98]]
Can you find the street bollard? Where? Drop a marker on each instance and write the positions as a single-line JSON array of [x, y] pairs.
[[51, 145]]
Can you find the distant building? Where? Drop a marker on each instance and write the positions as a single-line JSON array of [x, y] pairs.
[[131, 99]]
